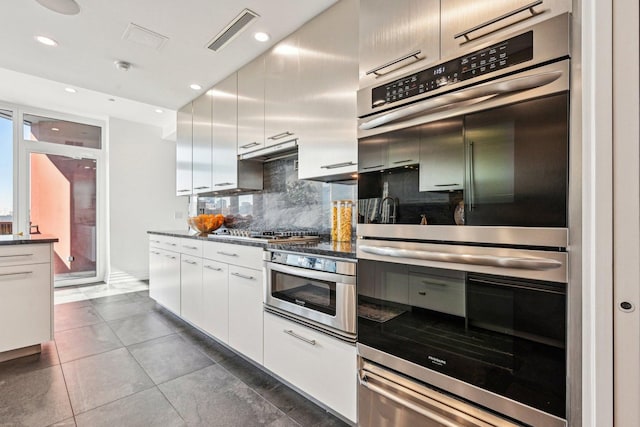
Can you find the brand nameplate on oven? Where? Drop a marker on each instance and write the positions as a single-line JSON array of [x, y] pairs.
[[496, 57]]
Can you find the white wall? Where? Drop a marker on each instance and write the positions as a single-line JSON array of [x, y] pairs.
[[141, 193]]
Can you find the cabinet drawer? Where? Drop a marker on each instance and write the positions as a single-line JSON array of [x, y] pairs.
[[319, 365], [445, 294], [191, 247], [244, 256], [25, 254], [164, 242], [25, 304]]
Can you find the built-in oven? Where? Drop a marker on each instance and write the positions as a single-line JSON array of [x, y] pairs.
[[463, 224], [319, 291]]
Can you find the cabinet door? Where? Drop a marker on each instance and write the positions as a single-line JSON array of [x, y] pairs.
[[166, 290], [184, 150], [397, 37], [225, 136], [329, 69], [321, 366], [404, 148], [25, 305], [282, 92], [202, 149], [442, 156], [156, 268], [245, 311], [460, 16], [251, 106], [191, 289], [215, 299], [372, 153]]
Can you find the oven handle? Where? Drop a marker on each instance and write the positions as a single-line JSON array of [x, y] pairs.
[[530, 263], [311, 274], [421, 408], [477, 93]]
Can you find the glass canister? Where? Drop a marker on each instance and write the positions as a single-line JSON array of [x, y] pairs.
[[341, 220]]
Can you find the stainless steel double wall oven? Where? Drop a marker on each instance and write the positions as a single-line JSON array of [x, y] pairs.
[[463, 249]]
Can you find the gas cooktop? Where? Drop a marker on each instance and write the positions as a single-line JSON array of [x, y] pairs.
[[269, 236]]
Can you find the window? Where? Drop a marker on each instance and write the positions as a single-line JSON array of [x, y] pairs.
[[6, 172], [37, 128]]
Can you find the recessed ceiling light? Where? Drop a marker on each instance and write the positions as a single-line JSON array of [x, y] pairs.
[[122, 65], [261, 37], [195, 86], [159, 111], [70, 90], [111, 100], [55, 129], [46, 41], [66, 7]]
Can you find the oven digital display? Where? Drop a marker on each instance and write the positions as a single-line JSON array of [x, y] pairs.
[[496, 57]]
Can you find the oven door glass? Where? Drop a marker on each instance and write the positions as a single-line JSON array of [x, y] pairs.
[[313, 294], [501, 334]]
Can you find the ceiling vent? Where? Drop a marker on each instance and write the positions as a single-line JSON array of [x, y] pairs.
[[231, 31], [143, 36]]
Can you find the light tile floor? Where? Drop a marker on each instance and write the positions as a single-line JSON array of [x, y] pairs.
[[98, 290], [122, 360]]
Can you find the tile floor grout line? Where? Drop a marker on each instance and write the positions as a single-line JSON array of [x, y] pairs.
[[66, 386], [117, 400]]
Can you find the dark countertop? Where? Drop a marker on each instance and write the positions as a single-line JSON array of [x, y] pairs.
[[13, 239], [324, 247]]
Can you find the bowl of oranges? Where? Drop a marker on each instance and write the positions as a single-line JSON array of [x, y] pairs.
[[206, 223]]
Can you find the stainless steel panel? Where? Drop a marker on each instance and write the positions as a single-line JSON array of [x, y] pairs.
[[543, 237], [502, 405], [539, 265], [202, 144], [391, 32], [251, 106], [489, 20], [386, 398], [184, 150], [550, 41], [442, 157], [553, 77]]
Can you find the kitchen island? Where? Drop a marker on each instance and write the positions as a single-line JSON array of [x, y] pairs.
[[26, 294]]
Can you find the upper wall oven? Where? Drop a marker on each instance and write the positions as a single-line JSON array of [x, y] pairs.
[[480, 140]]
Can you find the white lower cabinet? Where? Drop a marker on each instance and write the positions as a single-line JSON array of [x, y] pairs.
[[245, 311], [191, 289], [215, 299], [321, 366], [164, 278]]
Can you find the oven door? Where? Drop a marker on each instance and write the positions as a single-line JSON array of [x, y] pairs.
[[327, 299]]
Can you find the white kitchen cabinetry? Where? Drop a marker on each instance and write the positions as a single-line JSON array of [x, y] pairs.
[[327, 144], [380, 152], [164, 271], [468, 23], [26, 283], [282, 92], [245, 311], [184, 150], [442, 156], [202, 144], [215, 299], [321, 366], [251, 106], [397, 37], [191, 272]]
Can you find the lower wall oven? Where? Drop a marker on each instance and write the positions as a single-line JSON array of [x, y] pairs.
[[485, 325]]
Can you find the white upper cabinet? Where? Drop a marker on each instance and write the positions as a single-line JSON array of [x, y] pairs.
[[202, 148], [184, 150], [251, 106], [328, 57], [468, 23], [397, 37]]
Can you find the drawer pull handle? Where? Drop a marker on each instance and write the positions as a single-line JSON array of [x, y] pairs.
[[338, 165], [293, 334], [170, 256], [445, 185], [155, 253], [280, 135], [170, 244], [243, 276], [13, 256], [249, 145], [191, 247], [200, 188], [403, 161], [222, 184], [422, 293], [528, 7], [372, 167], [190, 262], [17, 273], [227, 253], [212, 268], [395, 61], [182, 191]]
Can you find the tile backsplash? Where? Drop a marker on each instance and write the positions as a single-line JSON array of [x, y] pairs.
[[285, 203]]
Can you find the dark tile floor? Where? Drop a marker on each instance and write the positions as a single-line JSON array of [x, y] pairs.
[[125, 361]]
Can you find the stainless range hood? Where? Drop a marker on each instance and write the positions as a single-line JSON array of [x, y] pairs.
[[274, 152]]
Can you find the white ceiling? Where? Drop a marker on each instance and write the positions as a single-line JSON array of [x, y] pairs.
[[91, 41]]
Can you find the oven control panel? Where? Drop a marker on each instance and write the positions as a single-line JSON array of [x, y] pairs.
[[493, 58], [305, 261]]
